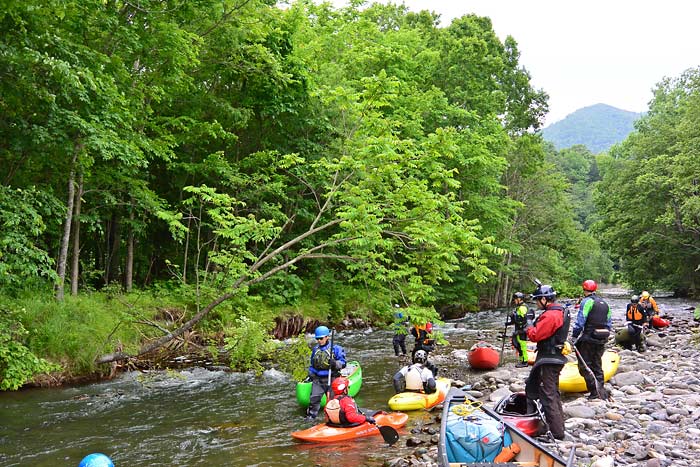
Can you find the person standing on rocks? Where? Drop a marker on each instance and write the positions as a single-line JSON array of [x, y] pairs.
[[550, 331], [647, 302], [591, 330], [636, 323], [519, 318]]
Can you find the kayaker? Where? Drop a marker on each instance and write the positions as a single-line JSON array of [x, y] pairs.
[[324, 359], [519, 318], [423, 341], [636, 323], [342, 410], [399, 339], [594, 326], [647, 302], [417, 377], [550, 330]]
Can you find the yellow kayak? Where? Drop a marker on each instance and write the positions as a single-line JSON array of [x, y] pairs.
[[571, 381], [419, 400]]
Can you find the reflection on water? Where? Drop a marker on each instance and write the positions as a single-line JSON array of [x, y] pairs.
[[198, 417]]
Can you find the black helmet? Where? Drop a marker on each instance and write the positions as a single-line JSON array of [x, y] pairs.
[[519, 295], [635, 299], [546, 291], [420, 357]]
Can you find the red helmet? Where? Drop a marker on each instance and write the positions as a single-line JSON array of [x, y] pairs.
[[589, 285], [340, 385]]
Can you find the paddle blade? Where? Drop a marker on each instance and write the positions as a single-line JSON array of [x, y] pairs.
[[389, 434]]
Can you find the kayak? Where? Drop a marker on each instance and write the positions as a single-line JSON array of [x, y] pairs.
[[571, 381], [659, 322], [463, 440], [483, 356], [419, 400], [323, 433], [352, 371], [521, 412]]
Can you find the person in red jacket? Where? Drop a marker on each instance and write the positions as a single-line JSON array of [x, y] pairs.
[[550, 331], [342, 410]]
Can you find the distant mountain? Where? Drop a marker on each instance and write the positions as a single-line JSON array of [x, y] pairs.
[[597, 127]]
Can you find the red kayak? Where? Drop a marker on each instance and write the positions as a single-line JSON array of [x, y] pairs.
[[324, 433], [520, 412], [483, 356], [659, 322]]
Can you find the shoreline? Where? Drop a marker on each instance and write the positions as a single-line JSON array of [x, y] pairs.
[[653, 419]]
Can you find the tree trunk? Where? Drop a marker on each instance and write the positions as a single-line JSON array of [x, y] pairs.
[[75, 267], [129, 279], [113, 242], [63, 251]]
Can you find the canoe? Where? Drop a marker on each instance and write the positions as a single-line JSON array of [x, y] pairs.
[[571, 381], [352, 371], [323, 433], [483, 356], [659, 322], [419, 400], [521, 412], [516, 448]]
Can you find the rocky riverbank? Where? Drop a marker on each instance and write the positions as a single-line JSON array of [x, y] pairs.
[[652, 420]]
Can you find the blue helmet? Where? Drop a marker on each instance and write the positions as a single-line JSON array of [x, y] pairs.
[[322, 331], [546, 291], [96, 460]]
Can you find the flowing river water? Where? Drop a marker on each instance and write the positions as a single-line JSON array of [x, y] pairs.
[[200, 417]]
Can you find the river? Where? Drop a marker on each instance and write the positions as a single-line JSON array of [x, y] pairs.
[[198, 417]]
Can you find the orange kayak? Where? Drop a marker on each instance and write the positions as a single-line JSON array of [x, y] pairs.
[[659, 322], [323, 433], [483, 356]]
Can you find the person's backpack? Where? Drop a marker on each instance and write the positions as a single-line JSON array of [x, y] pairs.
[[474, 438]]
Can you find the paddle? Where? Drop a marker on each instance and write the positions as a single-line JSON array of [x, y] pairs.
[[503, 342], [389, 434], [598, 385], [331, 354]]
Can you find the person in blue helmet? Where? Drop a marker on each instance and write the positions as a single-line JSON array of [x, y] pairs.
[[325, 359], [96, 459], [399, 339]]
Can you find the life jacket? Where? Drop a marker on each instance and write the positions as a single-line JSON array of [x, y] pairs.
[[596, 327], [414, 379], [521, 315], [634, 314], [321, 359], [333, 411], [553, 345], [336, 414]]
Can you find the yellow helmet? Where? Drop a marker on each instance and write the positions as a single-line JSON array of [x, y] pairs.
[[645, 294]]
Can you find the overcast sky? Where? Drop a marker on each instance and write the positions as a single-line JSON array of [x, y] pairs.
[[587, 52]]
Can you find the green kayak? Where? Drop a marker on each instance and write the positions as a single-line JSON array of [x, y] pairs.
[[352, 371]]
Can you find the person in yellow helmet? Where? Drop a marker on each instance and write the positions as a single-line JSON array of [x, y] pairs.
[[648, 304]]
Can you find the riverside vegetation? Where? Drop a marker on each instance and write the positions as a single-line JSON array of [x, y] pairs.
[[191, 174]]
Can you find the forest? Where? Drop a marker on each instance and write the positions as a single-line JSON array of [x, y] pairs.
[[189, 173]]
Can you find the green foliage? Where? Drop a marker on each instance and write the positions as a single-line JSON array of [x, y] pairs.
[[649, 192], [23, 218], [248, 343], [18, 364], [292, 357]]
